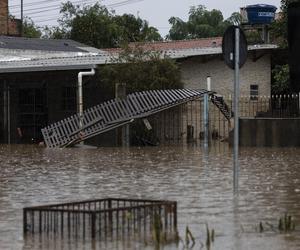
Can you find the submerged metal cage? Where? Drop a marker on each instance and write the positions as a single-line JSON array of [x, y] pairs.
[[101, 218]]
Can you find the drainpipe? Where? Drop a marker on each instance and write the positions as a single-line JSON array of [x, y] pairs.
[[80, 96], [206, 113]]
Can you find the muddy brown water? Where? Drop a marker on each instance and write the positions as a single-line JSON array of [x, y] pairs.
[[201, 182]]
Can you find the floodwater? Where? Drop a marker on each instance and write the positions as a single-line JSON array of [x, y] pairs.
[[201, 182]]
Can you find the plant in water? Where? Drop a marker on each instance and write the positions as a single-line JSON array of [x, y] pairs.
[[157, 229], [261, 227], [210, 236], [286, 223], [189, 238]]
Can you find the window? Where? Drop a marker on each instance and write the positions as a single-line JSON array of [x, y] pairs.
[[253, 92], [69, 99]]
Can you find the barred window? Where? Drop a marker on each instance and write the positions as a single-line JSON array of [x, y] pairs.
[[69, 99], [253, 92]]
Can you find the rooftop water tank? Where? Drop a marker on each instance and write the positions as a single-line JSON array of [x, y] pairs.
[[260, 13]]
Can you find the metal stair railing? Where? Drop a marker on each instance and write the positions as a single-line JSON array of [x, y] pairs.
[[115, 113], [219, 102]]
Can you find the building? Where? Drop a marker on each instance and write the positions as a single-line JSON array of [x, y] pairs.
[[8, 25], [38, 84], [200, 58], [38, 80]]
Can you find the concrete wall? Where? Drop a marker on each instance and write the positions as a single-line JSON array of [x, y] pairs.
[[275, 132], [255, 71]]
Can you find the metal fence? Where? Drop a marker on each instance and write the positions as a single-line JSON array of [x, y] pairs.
[[275, 106], [101, 218], [185, 123]]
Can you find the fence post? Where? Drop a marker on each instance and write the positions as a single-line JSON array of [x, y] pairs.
[[24, 220], [175, 216], [93, 228], [110, 216], [299, 103]]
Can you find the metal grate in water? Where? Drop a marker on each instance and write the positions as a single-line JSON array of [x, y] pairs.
[[100, 218]]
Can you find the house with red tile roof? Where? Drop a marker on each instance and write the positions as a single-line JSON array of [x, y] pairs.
[[199, 58]]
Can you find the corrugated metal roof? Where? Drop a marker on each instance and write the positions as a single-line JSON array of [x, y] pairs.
[[54, 63], [18, 60], [23, 43]]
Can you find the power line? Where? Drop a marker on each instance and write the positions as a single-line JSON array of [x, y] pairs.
[[49, 8], [32, 4], [73, 2], [119, 4], [55, 7]]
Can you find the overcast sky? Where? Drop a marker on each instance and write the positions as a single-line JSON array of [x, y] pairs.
[[157, 12]]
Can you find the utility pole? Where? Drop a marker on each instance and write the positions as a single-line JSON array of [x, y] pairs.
[[22, 17], [235, 50]]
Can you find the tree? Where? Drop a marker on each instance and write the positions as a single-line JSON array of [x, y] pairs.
[[143, 70], [179, 29], [279, 33], [201, 23], [97, 26], [279, 29], [235, 18], [30, 30], [135, 29], [281, 79], [94, 26]]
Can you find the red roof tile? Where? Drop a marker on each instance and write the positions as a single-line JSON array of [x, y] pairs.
[[177, 45]]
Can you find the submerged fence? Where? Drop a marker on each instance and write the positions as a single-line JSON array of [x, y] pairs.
[[185, 123], [101, 218], [275, 106]]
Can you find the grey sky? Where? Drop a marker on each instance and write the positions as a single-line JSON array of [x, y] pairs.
[[157, 12]]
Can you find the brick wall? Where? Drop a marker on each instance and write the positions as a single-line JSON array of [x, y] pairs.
[[14, 27], [11, 27], [3, 17], [195, 71]]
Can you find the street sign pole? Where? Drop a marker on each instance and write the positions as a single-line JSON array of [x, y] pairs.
[[236, 111]]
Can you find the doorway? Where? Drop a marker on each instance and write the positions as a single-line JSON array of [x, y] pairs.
[[32, 114]]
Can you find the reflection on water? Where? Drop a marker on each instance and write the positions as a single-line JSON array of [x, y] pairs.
[[201, 183]]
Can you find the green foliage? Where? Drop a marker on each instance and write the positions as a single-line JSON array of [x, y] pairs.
[[54, 33], [179, 29], [235, 18], [143, 70], [281, 79], [279, 27], [97, 26], [201, 23], [30, 30]]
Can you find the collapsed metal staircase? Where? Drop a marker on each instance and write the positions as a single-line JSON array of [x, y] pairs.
[[115, 113], [219, 102]]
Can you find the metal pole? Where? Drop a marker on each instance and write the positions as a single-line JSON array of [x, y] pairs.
[[236, 112], [80, 95], [206, 113], [120, 93], [299, 102], [22, 17], [8, 116]]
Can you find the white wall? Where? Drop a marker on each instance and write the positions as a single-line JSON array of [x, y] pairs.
[[195, 71]]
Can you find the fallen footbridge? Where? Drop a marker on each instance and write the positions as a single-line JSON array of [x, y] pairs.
[[118, 112]]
